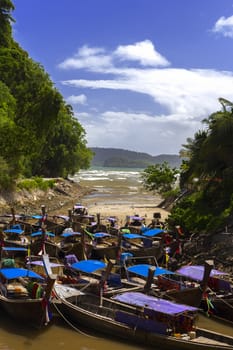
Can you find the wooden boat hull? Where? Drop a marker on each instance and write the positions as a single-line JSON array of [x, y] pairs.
[[191, 296], [77, 249], [105, 252], [156, 251], [101, 319], [222, 308], [25, 295], [51, 248], [31, 311]]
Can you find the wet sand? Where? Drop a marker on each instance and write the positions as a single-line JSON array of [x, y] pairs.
[[122, 210]]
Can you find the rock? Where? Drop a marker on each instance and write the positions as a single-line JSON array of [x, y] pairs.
[[62, 197]]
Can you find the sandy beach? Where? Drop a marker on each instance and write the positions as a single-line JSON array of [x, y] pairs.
[[118, 193], [122, 210], [109, 198]]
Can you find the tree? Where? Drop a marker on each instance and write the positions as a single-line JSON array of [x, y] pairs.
[[6, 7], [11, 140], [159, 177], [38, 131], [53, 140], [192, 166], [210, 161], [65, 150]]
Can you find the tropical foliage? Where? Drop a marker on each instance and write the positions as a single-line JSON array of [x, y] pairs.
[[205, 200], [39, 134], [207, 175], [160, 178]]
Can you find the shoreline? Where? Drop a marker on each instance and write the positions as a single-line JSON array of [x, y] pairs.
[[61, 199], [121, 211]]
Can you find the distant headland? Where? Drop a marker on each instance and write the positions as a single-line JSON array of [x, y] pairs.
[[116, 157]]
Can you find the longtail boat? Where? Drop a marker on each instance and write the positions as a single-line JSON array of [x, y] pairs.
[[25, 295], [140, 319]]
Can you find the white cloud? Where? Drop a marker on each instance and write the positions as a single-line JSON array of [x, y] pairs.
[[77, 99], [139, 132], [87, 58], [98, 59], [186, 92], [186, 96], [144, 52], [224, 26]]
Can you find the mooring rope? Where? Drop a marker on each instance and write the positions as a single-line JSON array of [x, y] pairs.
[[71, 325], [218, 297]]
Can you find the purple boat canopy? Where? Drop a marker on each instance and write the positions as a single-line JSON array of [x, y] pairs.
[[196, 272], [153, 303], [135, 217], [40, 263], [79, 206], [111, 218]]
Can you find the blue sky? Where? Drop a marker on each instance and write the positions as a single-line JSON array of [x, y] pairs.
[[140, 74]]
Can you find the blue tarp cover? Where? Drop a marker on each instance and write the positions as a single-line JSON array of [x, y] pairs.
[[101, 234], [11, 273], [196, 272], [70, 233], [39, 233], [143, 269], [37, 217], [17, 249], [88, 266], [131, 236], [14, 230], [153, 232], [153, 303]]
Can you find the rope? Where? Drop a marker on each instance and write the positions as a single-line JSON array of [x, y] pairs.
[[71, 325], [228, 304]]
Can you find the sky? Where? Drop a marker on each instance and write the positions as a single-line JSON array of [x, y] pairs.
[[141, 75]]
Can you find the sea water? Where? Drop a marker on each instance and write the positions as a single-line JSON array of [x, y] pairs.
[[116, 186]]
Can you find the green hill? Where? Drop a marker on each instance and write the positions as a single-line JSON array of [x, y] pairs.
[[114, 157], [40, 136]]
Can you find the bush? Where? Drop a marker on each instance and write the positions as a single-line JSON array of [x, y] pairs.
[[36, 183]]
